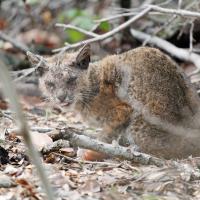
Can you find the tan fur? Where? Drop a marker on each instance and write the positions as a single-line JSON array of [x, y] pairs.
[[141, 94]]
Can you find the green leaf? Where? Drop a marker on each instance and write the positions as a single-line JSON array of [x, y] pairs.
[[74, 36], [104, 26]]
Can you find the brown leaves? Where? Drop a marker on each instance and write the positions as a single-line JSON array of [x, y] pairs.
[[29, 188]]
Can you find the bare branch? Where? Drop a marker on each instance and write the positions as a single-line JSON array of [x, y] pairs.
[[25, 73], [108, 34], [96, 37], [183, 13], [116, 17], [80, 161], [55, 146], [179, 4], [69, 26], [179, 53], [191, 36], [115, 151], [9, 92], [158, 9]]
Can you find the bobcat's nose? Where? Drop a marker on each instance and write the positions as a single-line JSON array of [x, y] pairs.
[[61, 97]]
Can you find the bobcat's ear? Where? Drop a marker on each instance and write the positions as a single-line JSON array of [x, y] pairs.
[[39, 62], [83, 57]]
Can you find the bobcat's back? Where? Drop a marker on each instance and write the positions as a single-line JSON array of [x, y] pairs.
[[158, 86]]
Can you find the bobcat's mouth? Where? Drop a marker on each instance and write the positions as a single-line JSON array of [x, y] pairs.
[[67, 102]]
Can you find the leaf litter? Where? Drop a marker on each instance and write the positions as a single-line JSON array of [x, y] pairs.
[[72, 178]]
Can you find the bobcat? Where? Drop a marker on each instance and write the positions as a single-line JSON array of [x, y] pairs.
[[141, 95]]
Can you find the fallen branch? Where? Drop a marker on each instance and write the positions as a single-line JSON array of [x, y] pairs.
[[55, 146], [83, 141], [177, 52], [9, 92]]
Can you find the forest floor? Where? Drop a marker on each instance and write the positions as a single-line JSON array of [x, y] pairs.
[[33, 27], [73, 178]]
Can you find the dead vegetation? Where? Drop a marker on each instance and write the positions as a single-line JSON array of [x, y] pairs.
[[172, 26]]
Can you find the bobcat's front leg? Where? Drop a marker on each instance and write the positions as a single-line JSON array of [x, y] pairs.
[[116, 120]]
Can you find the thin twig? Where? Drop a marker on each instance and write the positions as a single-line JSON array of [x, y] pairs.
[[6, 115], [10, 92], [169, 21], [179, 4], [87, 161], [69, 26], [18, 45], [179, 53], [25, 73], [180, 12], [108, 34], [191, 36], [116, 17]]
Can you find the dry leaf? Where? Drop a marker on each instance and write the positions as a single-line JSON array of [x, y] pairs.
[[40, 140]]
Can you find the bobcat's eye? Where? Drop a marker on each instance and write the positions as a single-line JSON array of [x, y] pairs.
[[50, 84], [71, 79]]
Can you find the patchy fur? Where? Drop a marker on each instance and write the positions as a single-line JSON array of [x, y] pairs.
[[141, 94]]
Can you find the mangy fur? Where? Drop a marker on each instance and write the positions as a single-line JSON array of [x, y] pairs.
[[140, 94]]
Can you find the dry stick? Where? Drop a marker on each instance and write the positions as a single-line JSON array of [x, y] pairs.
[[179, 4], [116, 17], [191, 36], [109, 149], [108, 34], [183, 13], [9, 92], [25, 73], [179, 53], [180, 12], [29, 71], [55, 146], [18, 45], [87, 161], [69, 26]]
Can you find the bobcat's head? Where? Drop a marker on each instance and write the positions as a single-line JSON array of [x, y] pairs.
[[59, 74]]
